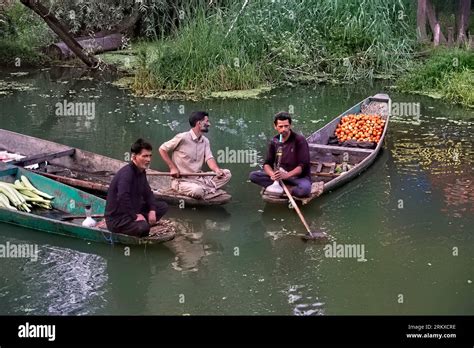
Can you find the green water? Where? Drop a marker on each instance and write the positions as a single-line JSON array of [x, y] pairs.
[[412, 211]]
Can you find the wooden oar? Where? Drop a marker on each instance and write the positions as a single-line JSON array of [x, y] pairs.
[[183, 174], [75, 182], [311, 235]]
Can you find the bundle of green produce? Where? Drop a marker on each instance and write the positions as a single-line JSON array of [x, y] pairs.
[[22, 195]]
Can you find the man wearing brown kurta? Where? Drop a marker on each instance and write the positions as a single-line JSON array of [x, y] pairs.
[[190, 150]]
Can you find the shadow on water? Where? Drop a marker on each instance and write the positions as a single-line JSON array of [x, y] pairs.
[[190, 247]]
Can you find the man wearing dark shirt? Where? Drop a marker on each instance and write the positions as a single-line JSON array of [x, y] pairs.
[[294, 166], [131, 207]]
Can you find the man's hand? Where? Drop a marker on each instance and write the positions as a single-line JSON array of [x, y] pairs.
[[152, 218], [276, 175], [174, 172], [279, 175], [220, 173], [140, 217]]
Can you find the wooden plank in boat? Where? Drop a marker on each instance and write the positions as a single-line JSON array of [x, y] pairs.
[[340, 148]]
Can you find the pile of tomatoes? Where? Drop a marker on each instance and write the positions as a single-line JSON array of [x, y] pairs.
[[361, 127]]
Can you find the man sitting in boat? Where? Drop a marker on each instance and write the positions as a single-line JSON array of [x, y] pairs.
[[131, 207], [294, 167], [190, 150]]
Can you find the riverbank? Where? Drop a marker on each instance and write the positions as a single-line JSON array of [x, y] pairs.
[[259, 45], [244, 51], [446, 74]]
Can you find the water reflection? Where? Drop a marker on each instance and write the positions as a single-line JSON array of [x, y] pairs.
[[444, 161], [191, 246], [428, 168], [458, 196]]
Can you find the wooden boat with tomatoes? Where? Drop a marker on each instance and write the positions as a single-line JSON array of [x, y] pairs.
[[337, 157], [89, 171]]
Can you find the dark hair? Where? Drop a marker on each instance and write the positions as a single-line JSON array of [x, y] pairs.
[[139, 145], [282, 116], [197, 116]]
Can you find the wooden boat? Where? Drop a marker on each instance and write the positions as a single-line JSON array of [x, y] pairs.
[[90, 171], [324, 158], [69, 202]]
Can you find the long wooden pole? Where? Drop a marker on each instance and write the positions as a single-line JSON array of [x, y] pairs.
[[182, 174], [75, 182], [293, 203], [310, 235]]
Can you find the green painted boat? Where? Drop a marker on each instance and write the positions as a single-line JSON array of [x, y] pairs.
[[67, 202]]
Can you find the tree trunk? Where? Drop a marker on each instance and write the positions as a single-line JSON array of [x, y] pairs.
[[451, 37], [421, 21], [61, 31], [438, 36], [93, 45], [464, 11]]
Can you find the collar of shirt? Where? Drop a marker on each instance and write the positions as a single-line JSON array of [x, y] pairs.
[[135, 168], [194, 136]]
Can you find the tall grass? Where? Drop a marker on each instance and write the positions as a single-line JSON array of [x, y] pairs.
[[201, 58], [449, 72], [283, 40], [432, 73]]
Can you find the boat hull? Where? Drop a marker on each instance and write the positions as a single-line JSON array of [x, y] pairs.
[[94, 172], [67, 201], [361, 159]]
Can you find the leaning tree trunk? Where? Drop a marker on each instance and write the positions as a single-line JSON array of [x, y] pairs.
[[61, 31], [421, 21], [464, 11]]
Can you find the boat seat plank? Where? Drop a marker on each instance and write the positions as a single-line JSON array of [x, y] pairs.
[[43, 157], [320, 166], [340, 148]]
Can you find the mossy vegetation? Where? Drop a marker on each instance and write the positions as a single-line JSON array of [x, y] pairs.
[[448, 73]]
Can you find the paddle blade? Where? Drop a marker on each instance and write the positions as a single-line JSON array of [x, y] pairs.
[[316, 236]]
